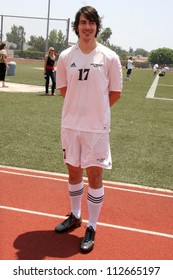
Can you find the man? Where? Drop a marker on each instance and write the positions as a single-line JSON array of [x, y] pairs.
[[89, 77], [162, 72], [129, 68], [155, 68]]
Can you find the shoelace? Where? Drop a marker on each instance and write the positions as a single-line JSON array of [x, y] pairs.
[[88, 235], [69, 219]]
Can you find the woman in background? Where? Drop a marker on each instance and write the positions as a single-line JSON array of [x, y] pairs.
[[49, 70], [3, 63]]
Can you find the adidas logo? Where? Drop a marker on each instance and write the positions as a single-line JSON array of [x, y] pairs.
[[73, 64]]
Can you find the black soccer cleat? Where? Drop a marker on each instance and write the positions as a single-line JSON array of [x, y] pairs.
[[88, 241], [69, 223]]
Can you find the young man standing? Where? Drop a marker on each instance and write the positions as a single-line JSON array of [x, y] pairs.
[[155, 68], [89, 76], [129, 68]]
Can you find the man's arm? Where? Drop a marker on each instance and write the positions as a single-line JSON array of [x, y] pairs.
[[113, 97], [63, 91]]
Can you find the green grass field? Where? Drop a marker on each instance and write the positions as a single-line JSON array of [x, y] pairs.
[[165, 86], [141, 130]]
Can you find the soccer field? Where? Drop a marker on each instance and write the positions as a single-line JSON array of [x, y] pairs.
[[141, 129]]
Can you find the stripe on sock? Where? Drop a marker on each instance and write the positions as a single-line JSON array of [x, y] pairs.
[[76, 193], [95, 200]]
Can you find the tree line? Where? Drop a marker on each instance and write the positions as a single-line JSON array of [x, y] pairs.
[[17, 37]]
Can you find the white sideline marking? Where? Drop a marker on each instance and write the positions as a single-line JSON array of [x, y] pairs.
[[165, 85], [86, 221], [153, 87], [161, 98], [152, 90], [105, 184]]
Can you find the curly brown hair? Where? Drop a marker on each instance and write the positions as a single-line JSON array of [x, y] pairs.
[[2, 45], [89, 13]]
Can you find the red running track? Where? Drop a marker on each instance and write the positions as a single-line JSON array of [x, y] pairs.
[[136, 223]]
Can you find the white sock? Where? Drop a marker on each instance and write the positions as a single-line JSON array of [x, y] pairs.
[[95, 200], [76, 193]]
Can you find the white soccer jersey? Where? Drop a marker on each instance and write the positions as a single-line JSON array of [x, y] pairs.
[[130, 64], [89, 79]]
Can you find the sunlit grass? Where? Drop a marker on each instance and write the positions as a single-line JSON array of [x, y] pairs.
[[141, 130]]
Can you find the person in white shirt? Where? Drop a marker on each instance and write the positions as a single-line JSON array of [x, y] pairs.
[[155, 68], [89, 76], [163, 70], [129, 68]]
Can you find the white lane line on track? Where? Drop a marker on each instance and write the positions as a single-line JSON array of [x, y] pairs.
[[85, 178], [155, 233], [106, 185]]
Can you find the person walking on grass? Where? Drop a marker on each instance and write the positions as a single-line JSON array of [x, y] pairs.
[[3, 63], [129, 68], [89, 76], [49, 64]]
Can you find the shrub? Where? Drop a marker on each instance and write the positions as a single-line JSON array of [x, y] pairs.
[[29, 54]]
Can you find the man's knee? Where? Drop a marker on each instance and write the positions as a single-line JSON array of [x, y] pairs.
[[75, 174], [94, 174]]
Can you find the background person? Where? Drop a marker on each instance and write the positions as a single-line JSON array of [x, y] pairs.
[[163, 70], [3, 63], [129, 68], [155, 68], [89, 76], [49, 65]]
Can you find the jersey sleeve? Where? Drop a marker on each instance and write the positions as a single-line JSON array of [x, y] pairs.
[[61, 79], [115, 75]]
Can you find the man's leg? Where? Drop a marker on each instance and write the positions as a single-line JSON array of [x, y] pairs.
[[94, 200], [76, 189], [95, 194]]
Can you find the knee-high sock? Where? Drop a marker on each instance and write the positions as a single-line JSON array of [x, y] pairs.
[[76, 193], [95, 200]]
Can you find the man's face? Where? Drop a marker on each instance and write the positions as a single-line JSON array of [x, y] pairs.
[[87, 29]]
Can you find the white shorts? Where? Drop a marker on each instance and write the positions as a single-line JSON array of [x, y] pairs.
[[86, 149]]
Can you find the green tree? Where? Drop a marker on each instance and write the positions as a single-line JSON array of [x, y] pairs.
[[37, 43], [161, 56], [104, 36], [142, 52], [61, 42], [53, 38], [131, 51], [17, 36], [121, 53], [56, 40]]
